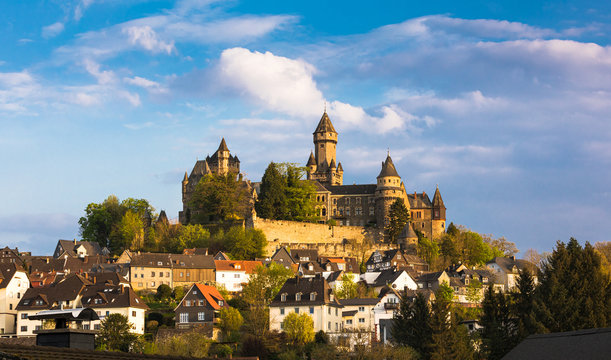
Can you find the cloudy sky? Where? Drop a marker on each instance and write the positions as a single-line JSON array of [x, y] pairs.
[[505, 106]]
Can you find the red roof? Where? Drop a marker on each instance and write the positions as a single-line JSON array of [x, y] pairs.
[[237, 265], [212, 295]]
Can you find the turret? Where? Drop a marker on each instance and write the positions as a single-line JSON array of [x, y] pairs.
[[389, 188], [438, 216], [311, 165], [325, 141], [223, 157]]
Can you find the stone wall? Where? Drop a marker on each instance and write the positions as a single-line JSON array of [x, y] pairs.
[[329, 240]]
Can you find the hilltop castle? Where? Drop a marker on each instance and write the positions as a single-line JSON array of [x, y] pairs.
[[348, 205], [367, 204]]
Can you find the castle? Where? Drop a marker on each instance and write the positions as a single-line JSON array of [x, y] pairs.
[[367, 204], [349, 205]]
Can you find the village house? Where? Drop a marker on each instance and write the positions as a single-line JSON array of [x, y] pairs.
[[149, 270], [507, 270], [14, 283], [73, 248], [190, 269], [199, 308], [358, 322], [312, 296], [232, 274]]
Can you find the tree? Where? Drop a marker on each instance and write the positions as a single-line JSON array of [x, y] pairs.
[[220, 197], [448, 250], [164, 292], [347, 288], [190, 236], [99, 219], [412, 325], [243, 244], [449, 340], [524, 307], [428, 250], [230, 321], [299, 328], [192, 344], [399, 217], [115, 333], [474, 291], [574, 291], [272, 202], [131, 229], [499, 333], [262, 287], [503, 246]]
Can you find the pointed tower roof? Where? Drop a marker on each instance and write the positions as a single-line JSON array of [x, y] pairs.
[[223, 146], [311, 160], [206, 168], [339, 167], [163, 218], [186, 178], [388, 168], [437, 200], [332, 165], [324, 125], [408, 232]]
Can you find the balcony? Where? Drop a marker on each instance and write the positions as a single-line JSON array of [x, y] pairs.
[[391, 306]]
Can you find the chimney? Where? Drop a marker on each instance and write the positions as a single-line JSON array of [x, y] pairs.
[[75, 241], [423, 194]]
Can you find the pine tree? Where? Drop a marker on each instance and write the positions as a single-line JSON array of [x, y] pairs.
[[399, 217], [271, 203], [449, 339], [412, 325], [524, 306], [574, 291], [499, 334]]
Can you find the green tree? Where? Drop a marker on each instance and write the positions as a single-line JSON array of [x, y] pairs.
[[299, 194], [412, 325], [449, 339], [428, 250], [190, 236], [299, 328], [164, 292], [131, 229], [243, 244], [262, 287], [99, 221], [272, 202], [524, 306], [448, 250], [115, 334], [218, 198], [574, 291], [230, 322], [347, 288], [499, 333], [399, 217], [193, 345], [474, 291]]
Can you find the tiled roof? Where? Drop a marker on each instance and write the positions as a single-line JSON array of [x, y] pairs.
[[212, 295], [358, 302], [192, 261], [507, 264], [113, 296], [310, 254], [237, 265]]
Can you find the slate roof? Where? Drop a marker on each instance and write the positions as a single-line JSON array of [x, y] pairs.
[[306, 286], [304, 268], [192, 261], [112, 296], [6, 273], [388, 168], [67, 288], [419, 201], [432, 276], [507, 264], [195, 251], [591, 344], [311, 160], [364, 189], [334, 276], [69, 247], [223, 146], [407, 232], [151, 260], [310, 254], [359, 302], [325, 125], [437, 200], [387, 277]]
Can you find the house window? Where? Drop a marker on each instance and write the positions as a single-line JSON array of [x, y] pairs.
[[161, 274], [188, 273], [311, 310], [181, 274], [184, 317], [221, 302], [283, 297], [10, 306], [329, 325], [281, 311], [349, 322], [371, 211], [187, 302], [96, 327], [24, 316], [298, 297], [139, 284], [358, 211], [152, 284], [133, 314], [347, 201], [201, 316], [312, 296], [24, 328], [159, 263], [86, 327], [361, 308], [361, 320], [236, 276], [358, 201], [347, 211], [201, 303], [296, 310], [152, 274]]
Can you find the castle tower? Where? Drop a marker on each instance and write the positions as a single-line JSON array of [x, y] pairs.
[[223, 157], [388, 188], [439, 215], [322, 166]]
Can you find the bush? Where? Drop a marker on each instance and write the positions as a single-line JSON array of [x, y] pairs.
[[223, 350]]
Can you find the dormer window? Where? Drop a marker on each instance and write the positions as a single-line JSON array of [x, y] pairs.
[[283, 297], [298, 296], [159, 263], [311, 267], [312, 296], [238, 266], [221, 303]]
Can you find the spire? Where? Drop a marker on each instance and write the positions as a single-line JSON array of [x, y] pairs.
[[437, 200], [311, 160], [163, 218], [186, 178], [408, 232], [324, 125], [339, 167], [388, 168], [223, 146], [206, 168], [332, 166]]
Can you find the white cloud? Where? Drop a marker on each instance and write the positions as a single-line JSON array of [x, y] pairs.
[[147, 38], [85, 99], [275, 82], [152, 86], [132, 98], [141, 126], [52, 30], [104, 77], [81, 7]]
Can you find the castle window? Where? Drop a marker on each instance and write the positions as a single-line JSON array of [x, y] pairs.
[[371, 211], [324, 211], [358, 211], [442, 225], [334, 201], [335, 213], [341, 211], [347, 201], [323, 198], [347, 211]]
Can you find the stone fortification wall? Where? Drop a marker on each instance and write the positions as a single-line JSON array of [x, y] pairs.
[[329, 240]]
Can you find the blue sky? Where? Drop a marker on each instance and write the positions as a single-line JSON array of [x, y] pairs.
[[504, 105]]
